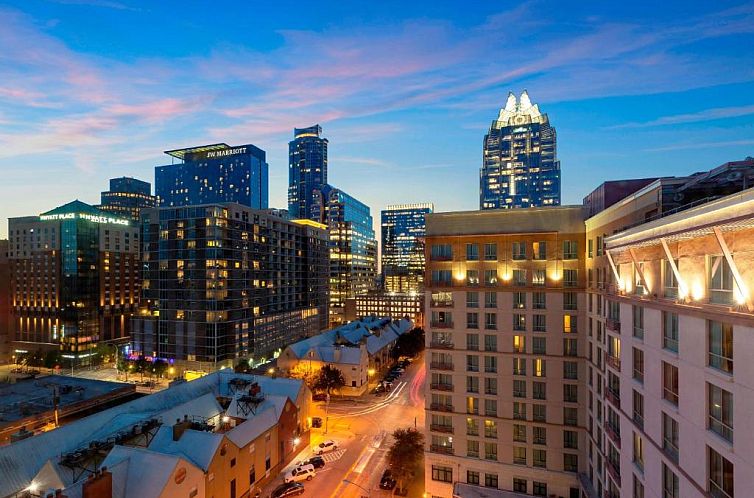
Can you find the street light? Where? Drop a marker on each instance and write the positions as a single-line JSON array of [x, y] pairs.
[[369, 492]]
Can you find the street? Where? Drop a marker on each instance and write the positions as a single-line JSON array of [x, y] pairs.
[[361, 427]]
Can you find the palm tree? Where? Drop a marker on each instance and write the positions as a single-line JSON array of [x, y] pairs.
[[405, 453]]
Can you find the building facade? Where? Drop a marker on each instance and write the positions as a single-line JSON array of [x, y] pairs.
[[5, 302], [353, 247], [127, 197], [212, 174], [307, 171], [74, 279], [223, 282], [520, 166], [505, 293], [390, 304], [403, 231]]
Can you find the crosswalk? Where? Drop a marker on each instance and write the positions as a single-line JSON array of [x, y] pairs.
[[333, 455]]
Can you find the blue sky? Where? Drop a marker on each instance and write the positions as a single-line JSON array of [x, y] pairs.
[[92, 89]]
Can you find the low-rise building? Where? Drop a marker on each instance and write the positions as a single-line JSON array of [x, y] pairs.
[[390, 304], [356, 349]]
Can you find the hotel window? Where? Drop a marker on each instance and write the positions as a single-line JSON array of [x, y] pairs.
[[670, 436], [538, 390], [538, 345], [490, 386], [490, 277], [490, 364], [720, 346], [638, 488], [720, 420], [570, 301], [472, 342], [570, 249], [540, 250], [519, 455], [539, 323], [519, 300], [519, 277], [490, 299], [519, 322], [472, 299], [720, 475], [638, 355], [670, 331], [519, 366], [570, 393], [472, 363], [669, 483], [539, 488], [538, 367], [490, 343], [539, 458], [539, 435], [519, 409], [519, 344], [472, 448], [442, 474], [539, 413], [472, 252], [472, 320], [519, 485], [570, 416], [638, 451], [600, 246], [519, 386], [669, 282], [539, 301], [519, 433], [490, 252], [670, 382], [570, 370], [441, 277], [472, 384], [538, 278], [472, 477], [720, 280], [570, 324], [441, 252], [638, 315], [570, 278], [570, 462], [570, 347], [638, 406], [519, 250], [472, 405], [570, 439], [472, 277], [590, 248], [490, 321], [490, 453], [472, 427]]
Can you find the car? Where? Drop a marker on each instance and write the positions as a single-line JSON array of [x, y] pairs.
[[325, 446], [317, 461], [300, 473], [288, 489], [320, 397], [387, 481], [399, 370]]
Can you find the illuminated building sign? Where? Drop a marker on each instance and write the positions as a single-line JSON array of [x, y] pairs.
[[83, 216], [212, 154]]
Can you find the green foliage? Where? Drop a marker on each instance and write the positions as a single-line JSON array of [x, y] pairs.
[[405, 453], [329, 379], [409, 344]]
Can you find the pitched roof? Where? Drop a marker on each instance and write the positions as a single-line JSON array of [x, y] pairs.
[[195, 446], [77, 207]]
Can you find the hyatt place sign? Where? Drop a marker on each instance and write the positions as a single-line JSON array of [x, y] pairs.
[[83, 216]]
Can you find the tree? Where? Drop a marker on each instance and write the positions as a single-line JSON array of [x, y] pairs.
[[160, 367], [52, 359], [405, 453], [329, 379], [409, 344]]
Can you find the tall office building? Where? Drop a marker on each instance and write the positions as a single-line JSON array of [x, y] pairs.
[[353, 247], [127, 197], [403, 231], [520, 166], [307, 170], [213, 174], [224, 281], [74, 279], [506, 351]]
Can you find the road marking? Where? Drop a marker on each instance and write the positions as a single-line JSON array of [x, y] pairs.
[[333, 456]]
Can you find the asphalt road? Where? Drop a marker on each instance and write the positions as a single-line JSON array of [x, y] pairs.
[[362, 428]]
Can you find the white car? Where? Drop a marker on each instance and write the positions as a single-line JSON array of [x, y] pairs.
[[300, 473], [325, 446]]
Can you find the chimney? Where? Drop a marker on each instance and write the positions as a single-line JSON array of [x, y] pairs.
[[180, 427], [99, 485]]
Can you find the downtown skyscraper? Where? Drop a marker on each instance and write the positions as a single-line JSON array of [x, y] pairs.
[[307, 170], [520, 166], [403, 231], [127, 197]]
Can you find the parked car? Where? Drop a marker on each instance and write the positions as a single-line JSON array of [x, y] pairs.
[[300, 473], [288, 489], [317, 461], [316, 422], [387, 481], [399, 370], [320, 397], [325, 446]]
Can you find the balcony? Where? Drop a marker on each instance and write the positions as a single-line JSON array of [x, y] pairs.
[[441, 345], [612, 361], [445, 450], [447, 429], [438, 407], [612, 324], [440, 366], [614, 471], [440, 257], [442, 325], [442, 387], [441, 283], [613, 396], [441, 304], [612, 434]]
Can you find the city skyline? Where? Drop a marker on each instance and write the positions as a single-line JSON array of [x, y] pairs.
[[84, 102]]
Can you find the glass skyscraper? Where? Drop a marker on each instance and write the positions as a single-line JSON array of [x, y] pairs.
[[520, 167], [403, 231], [353, 247], [214, 174], [307, 170], [127, 197]]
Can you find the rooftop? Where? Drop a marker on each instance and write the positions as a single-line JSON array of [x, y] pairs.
[[181, 153]]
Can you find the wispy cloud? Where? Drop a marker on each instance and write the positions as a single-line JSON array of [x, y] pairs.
[[701, 145], [694, 117]]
